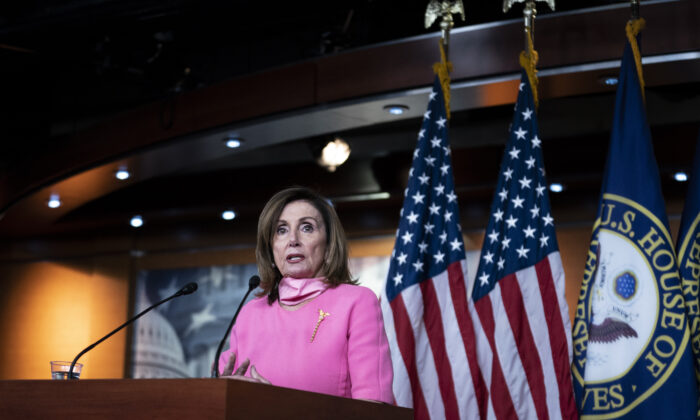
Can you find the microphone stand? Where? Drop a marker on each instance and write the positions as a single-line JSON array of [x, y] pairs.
[[186, 290], [252, 284]]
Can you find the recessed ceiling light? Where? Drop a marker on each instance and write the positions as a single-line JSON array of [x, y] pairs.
[[680, 176], [396, 109], [122, 174], [54, 201], [228, 215], [136, 221], [556, 187], [233, 142], [608, 80]]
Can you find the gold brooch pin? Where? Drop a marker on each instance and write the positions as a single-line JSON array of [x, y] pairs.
[[321, 316]]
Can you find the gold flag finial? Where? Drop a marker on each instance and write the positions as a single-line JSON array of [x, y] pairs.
[[443, 9]]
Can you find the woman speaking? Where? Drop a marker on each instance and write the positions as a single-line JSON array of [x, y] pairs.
[[311, 328]]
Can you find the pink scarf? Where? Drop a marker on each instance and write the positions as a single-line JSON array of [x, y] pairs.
[[294, 291]]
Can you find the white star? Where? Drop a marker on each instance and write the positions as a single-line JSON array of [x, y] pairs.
[[505, 243], [529, 232], [451, 197], [440, 189], [498, 215], [511, 221], [441, 122], [433, 94], [522, 251], [524, 182], [530, 162], [503, 194], [435, 141], [514, 153], [423, 247], [548, 220], [501, 263], [540, 189], [448, 216], [536, 142], [484, 279], [535, 211], [407, 237], [443, 237], [542, 171], [417, 197], [421, 133], [488, 257], [439, 257], [434, 208], [517, 201], [444, 169], [520, 133], [412, 218], [423, 178], [397, 279], [493, 236], [456, 244], [199, 319], [402, 258], [522, 85], [410, 172], [428, 228], [430, 161], [447, 150], [544, 241], [416, 153], [426, 115], [418, 265], [527, 114], [508, 174]]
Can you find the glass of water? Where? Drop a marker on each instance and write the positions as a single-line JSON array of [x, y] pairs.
[[59, 370]]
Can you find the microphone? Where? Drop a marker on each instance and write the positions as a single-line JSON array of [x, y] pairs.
[[252, 284], [186, 290]]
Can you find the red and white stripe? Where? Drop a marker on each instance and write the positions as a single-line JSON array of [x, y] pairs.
[[507, 356]]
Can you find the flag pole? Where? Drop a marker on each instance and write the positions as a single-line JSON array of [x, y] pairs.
[[632, 29], [444, 10], [529, 57]]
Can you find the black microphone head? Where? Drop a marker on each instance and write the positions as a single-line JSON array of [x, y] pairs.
[[253, 282], [189, 288]]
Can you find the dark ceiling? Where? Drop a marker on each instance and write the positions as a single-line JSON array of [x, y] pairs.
[[68, 65]]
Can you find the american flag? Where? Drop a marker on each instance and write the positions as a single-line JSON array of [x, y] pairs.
[[521, 319], [425, 301]]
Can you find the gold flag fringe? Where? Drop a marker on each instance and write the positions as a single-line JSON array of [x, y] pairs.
[[528, 61], [633, 28], [443, 69]]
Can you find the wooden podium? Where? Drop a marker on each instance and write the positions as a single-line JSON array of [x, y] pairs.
[[133, 399]]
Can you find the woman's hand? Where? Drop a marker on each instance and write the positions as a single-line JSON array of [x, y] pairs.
[[239, 374]]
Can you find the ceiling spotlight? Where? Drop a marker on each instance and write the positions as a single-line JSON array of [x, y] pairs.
[[334, 154], [233, 142], [556, 187], [608, 80], [228, 215], [54, 201], [136, 221], [122, 174], [396, 109], [680, 176]]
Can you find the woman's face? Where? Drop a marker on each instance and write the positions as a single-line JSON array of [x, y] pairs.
[[299, 241]]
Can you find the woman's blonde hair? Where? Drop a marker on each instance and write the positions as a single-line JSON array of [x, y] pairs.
[[335, 265]]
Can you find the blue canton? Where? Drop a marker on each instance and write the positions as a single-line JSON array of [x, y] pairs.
[[521, 228], [429, 237]]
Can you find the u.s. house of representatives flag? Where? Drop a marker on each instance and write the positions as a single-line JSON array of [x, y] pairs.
[[425, 300], [688, 248], [521, 317], [632, 355]]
